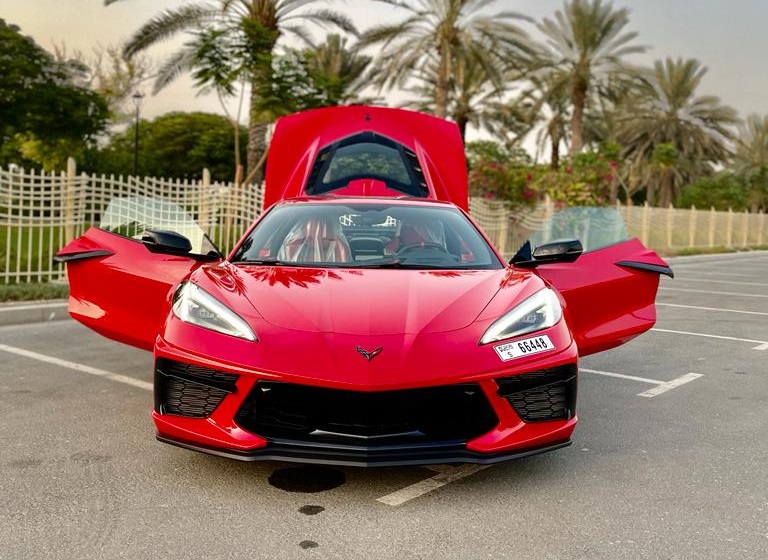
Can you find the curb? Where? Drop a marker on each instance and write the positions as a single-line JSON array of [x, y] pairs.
[[24, 312], [738, 255]]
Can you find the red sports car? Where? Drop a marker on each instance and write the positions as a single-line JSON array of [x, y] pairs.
[[364, 319]]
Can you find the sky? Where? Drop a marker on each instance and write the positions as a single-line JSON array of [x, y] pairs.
[[729, 37]]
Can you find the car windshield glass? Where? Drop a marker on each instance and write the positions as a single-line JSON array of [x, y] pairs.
[[131, 216], [367, 156], [595, 227], [367, 235]]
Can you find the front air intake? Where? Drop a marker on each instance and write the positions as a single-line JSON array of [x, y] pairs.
[[544, 395], [186, 390]]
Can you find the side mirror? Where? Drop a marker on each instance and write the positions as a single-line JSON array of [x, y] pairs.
[[565, 251], [164, 241]]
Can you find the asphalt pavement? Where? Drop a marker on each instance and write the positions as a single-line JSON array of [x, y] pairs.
[[670, 458]]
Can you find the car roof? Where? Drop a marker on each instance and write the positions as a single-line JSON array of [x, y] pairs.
[[299, 138]]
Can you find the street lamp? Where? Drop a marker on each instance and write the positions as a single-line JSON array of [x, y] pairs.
[[137, 98]]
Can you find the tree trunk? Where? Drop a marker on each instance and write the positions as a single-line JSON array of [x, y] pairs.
[[578, 98], [665, 197], [554, 150], [462, 121], [258, 124], [442, 83]]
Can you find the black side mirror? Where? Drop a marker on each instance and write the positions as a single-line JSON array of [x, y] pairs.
[[566, 251], [164, 241]]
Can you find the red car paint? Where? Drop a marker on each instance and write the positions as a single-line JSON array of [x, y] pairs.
[[298, 138], [310, 320]]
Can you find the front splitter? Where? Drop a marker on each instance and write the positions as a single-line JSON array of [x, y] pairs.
[[353, 456]]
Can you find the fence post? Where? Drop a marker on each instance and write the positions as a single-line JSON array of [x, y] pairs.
[[692, 227], [548, 211], [670, 224], [761, 228], [644, 224], [69, 201], [745, 230], [202, 210], [712, 219], [729, 229]]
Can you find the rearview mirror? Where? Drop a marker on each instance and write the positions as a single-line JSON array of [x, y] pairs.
[[164, 241], [565, 251]]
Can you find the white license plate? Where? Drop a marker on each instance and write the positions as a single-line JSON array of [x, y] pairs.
[[525, 347]]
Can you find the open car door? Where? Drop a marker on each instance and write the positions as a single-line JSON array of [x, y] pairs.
[[121, 274], [610, 290]]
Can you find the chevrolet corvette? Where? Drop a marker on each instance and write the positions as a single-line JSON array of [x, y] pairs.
[[364, 319]]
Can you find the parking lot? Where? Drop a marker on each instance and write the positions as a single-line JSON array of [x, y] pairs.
[[670, 458]]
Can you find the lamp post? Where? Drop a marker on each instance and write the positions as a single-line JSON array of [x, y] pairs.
[[137, 98]]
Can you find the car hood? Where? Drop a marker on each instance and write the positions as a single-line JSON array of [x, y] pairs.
[[361, 301]]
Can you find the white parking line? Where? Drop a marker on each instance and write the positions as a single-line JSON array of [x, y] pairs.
[[661, 386], [762, 344], [622, 376], [713, 293], [433, 483], [78, 367], [669, 385], [711, 308]]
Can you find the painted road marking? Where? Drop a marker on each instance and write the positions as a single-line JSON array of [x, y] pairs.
[[762, 344], [661, 386], [425, 486], [669, 385], [711, 308], [78, 367], [622, 376], [713, 293]]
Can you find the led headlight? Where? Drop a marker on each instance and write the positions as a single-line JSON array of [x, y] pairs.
[[194, 305], [540, 311]]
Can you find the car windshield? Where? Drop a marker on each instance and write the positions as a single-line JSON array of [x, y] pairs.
[[367, 236]]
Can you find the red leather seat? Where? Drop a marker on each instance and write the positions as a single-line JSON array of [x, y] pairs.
[[317, 240]]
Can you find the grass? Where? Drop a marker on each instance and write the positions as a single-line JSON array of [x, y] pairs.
[[31, 292]]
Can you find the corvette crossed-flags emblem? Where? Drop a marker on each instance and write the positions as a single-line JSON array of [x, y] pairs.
[[369, 355]]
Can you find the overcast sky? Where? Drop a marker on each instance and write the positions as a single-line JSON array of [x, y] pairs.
[[729, 37]]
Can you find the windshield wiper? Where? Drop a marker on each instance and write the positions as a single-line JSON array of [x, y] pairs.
[[397, 263], [268, 261]]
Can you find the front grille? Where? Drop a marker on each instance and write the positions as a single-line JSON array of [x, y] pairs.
[[455, 413], [539, 396], [187, 390]]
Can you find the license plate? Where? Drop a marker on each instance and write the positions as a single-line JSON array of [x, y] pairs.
[[525, 347]]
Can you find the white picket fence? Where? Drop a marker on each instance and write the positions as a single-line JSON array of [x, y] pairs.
[[41, 212]]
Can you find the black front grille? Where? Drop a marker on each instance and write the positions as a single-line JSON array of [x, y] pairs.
[[539, 396], [187, 390], [455, 413]]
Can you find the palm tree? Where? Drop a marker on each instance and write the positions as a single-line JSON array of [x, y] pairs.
[[750, 158], [257, 25], [441, 33], [473, 99], [586, 44], [337, 70], [666, 124]]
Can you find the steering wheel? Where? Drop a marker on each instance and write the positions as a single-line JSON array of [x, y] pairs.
[[424, 245]]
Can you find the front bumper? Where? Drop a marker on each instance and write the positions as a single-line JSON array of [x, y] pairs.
[[214, 408]]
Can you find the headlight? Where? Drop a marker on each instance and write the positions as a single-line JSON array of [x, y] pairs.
[[194, 305], [540, 311]]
